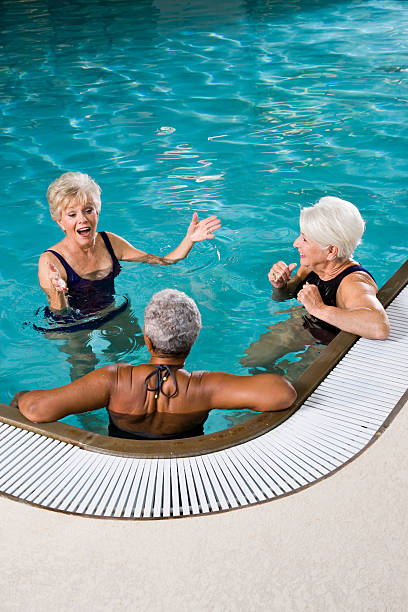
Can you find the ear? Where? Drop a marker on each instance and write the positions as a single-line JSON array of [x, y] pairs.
[[148, 342], [61, 226], [332, 252]]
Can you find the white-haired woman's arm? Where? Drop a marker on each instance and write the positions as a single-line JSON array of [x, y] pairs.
[[358, 310]]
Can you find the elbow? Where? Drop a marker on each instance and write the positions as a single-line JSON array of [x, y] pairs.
[[281, 399], [381, 331], [31, 410], [30, 413], [288, 397], [382, 334], [384, 330]]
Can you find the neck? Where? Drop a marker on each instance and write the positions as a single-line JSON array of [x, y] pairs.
[[87, 249], [330, 269], [175, 360]]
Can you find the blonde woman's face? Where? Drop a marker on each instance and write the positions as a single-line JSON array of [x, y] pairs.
[[79, 221]]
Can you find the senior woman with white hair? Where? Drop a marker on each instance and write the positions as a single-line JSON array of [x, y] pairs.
[[78, 272], [336, 291], [159, 400]]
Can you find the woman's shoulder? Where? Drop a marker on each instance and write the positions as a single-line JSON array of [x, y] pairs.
[[355, 273], [47, 257], [58, 248], [113, 238]]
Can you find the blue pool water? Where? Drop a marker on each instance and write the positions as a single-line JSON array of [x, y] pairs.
[[245, 109]]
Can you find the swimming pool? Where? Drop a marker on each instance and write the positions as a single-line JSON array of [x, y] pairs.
[[248, 110]]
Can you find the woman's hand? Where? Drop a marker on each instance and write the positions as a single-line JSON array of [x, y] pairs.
[[280, 274], [310, 297], [204, 229], [56, 279]]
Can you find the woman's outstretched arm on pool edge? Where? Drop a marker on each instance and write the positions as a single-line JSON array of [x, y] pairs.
[[90, 392], [261, 392]]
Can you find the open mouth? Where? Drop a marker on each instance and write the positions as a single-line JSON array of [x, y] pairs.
[[85, 231]]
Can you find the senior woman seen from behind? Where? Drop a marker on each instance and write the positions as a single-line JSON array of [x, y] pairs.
[[160, 399], [336, 291], [78, 272]]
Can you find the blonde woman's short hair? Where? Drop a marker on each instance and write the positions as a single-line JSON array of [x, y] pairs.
[[72, 186], [333, 222]]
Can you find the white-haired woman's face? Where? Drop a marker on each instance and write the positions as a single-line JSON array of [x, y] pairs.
[[79, 221], [311, 253]]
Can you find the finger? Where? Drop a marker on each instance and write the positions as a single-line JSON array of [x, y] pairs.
[[213, 227], [280, 267], [212, 218], [195, 217], [291, 267]]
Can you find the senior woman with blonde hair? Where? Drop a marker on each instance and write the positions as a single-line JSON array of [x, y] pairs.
[[336, 291], [78, 272]]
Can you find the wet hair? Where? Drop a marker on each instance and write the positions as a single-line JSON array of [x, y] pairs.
[[72, 186], [172, 321], [333, 222]]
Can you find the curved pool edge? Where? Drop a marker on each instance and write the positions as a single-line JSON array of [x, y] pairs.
[[233, 436]]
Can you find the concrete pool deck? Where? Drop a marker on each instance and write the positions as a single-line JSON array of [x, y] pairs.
[[339, 545]]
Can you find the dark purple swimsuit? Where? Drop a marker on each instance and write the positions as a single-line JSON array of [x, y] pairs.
[[90, 296]]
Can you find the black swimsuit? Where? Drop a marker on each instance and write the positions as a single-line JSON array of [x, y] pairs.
[[86, 295], [322, 331], [119, 432], [161, 372], [85, 298]]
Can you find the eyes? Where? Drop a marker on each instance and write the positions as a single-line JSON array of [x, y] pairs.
[[88, 211]]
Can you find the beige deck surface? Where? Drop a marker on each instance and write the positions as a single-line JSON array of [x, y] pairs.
[[340, 545]]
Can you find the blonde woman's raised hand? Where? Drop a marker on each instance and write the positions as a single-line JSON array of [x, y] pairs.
[[204, 229]]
